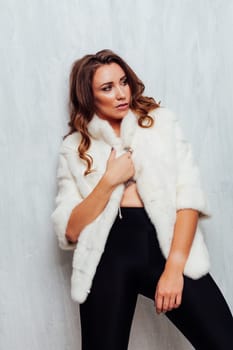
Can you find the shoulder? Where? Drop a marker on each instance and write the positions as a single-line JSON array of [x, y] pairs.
[[164, 119], [162, 114]]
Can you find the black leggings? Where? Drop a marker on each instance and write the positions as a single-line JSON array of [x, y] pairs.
[[131, 264]]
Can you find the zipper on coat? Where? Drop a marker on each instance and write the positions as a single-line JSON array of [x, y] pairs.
[[120, 214]]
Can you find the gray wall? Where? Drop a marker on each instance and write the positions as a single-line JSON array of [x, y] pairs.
[[183, 51]]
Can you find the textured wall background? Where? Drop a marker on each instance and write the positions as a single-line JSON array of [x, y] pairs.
[[183, 51]]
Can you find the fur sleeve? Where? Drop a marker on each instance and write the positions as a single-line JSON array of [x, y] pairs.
[[189, 192], [66, 199]]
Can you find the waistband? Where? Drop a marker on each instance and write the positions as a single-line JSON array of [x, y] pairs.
[[130, 211], [132, 208]]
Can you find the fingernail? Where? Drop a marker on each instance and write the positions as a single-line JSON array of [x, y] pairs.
[[112, 149]]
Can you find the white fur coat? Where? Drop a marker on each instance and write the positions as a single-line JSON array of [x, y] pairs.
[[167, 180]]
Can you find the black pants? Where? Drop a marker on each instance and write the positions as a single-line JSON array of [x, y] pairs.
[[131, 264]]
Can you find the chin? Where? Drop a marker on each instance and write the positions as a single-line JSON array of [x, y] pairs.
[[122, 114], [115, 115]]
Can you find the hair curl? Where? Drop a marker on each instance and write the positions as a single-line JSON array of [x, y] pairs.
[[81, 99]]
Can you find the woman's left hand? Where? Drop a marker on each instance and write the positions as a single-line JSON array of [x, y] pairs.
[[168, 292]]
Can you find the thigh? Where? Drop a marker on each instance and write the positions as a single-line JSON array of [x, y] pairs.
[[204, 316], [106, 315]]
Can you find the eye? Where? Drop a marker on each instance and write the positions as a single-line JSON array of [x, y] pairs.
[[125, 81], [107, 88]]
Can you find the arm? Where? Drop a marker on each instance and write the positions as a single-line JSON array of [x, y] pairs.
[[67, 198], [73, 212], [189, 192], [185, 226], [191, 204], [89, 208], [169, 288], [118, 170]]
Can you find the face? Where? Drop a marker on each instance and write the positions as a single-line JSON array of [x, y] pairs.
[[111, 92]]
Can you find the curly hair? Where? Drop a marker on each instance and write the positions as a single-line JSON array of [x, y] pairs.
[[81, 99]]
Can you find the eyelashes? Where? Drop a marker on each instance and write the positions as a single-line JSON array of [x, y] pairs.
[[125, 81], [106, 88], [109, 87]]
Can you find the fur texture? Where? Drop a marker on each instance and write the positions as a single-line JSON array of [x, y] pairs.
[[167, 180]]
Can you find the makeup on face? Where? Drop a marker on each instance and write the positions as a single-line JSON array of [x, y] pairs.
[[111, 92]]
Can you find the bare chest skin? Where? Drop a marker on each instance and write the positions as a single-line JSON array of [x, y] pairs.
[[131, 197]]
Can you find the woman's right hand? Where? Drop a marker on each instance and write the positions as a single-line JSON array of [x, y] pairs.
[[120, 169]]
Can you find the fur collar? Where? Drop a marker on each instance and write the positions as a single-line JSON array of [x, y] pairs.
[[101, 129]]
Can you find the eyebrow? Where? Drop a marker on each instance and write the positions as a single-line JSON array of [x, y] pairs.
[[111, 82]]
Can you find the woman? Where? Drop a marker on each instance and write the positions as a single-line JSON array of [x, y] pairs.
[[128, 203]]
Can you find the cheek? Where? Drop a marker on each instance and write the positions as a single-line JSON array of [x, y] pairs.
[[103, 101], [128, 91]]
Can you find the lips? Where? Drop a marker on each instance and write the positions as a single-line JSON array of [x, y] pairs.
[[122, 106]]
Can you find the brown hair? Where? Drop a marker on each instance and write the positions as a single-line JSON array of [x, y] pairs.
[[81, 100]]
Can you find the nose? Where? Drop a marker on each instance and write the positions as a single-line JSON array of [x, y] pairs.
[[120, 93]]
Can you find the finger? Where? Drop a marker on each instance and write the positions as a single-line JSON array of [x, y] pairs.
[[112, 154], [128, 154], [124, 155], [166, 301], [178, 300], [172, 302], [128, 149], [159, 304]]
